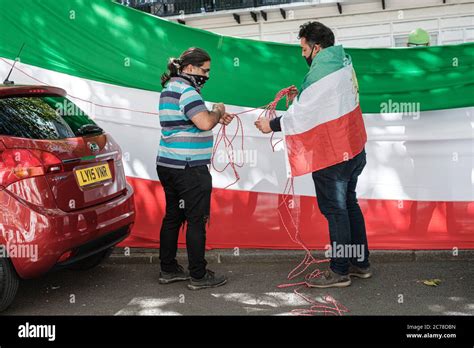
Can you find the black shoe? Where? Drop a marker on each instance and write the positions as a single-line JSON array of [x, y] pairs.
[[210, 280], [329, 279], [358, 272], [171, 277]]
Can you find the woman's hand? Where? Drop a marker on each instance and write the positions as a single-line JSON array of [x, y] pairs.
[[226, 119]]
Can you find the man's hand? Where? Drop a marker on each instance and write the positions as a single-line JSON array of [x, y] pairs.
[[293, 93], [263, 124], [226, 119]]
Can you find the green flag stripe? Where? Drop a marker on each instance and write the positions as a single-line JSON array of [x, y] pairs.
[[326, 62]]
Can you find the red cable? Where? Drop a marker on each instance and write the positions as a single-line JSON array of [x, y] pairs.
[[330, 305], [308, 260], [83, 100], [269, 111]]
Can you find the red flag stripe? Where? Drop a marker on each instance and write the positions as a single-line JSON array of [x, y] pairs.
[[327, 144]]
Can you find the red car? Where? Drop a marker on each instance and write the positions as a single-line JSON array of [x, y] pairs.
[[64, 199]]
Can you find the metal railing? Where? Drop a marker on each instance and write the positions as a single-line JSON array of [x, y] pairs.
[[166, 8]]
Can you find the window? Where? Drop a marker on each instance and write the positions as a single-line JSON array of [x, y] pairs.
[[41, 118]]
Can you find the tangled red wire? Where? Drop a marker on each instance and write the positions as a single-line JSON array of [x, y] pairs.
[[269, 111], [330, 305]]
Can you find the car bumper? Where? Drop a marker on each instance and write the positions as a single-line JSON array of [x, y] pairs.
[[37, 247]]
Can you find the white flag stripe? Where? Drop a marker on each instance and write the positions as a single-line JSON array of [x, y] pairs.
[[425, 157], [325, 100]]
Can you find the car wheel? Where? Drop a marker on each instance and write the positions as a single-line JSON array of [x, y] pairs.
[[9, 282], [91, 261]]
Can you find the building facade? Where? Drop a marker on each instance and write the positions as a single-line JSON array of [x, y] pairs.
[[356, 23]]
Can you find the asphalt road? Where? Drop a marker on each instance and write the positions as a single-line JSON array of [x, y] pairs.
[[133, 289]]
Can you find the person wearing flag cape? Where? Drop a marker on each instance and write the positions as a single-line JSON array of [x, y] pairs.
[[324, 134]]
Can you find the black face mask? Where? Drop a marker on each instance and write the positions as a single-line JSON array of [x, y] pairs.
[[200, 79], [309, 59]]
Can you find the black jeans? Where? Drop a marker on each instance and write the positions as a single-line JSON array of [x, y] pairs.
[[188, 199], [336, 195]]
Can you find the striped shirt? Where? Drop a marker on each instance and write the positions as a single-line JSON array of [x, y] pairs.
[[182, 143]]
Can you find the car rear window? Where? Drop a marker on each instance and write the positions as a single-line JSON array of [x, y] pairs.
[[41, 117]]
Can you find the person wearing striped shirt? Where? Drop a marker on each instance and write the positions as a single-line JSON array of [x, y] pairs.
[[182, 165]]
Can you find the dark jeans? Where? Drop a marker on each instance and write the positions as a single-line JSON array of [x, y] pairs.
[[336, 195], [188, 199]]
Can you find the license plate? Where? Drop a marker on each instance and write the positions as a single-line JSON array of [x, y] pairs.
[[92, 175]]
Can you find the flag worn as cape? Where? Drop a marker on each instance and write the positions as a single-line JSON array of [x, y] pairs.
[[324, 125]]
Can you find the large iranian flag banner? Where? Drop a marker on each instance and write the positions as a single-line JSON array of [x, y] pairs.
[[416, 191]]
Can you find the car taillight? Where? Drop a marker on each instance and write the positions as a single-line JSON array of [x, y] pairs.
[[65, 256], [17, 164]]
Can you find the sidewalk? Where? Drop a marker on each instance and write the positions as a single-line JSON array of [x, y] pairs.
[[128, 285]]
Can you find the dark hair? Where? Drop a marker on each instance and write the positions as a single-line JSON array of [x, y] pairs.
[[194, 56], [317, 33]]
